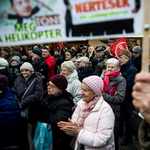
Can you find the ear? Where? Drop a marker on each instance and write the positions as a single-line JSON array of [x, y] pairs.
[[12, 9]]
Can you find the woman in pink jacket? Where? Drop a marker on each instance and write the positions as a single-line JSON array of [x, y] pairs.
[[93, 120]]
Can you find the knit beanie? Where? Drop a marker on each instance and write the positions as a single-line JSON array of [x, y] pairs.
[[60, 81], [3, 62], [95, 83], [16, 58], [3, 82], [37, 51], [27, 66]]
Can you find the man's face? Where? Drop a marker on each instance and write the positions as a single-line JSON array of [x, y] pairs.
[[136, 54], [99, 53], [23, 8], [30, 53], [83, 51], [81, 63], [44, 53], [123, 59], [35, 56], [4, 53]]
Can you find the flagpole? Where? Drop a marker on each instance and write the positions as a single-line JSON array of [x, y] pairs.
[[145, 45], [106, 49]]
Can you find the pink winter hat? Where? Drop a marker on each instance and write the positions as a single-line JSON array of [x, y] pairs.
[[95, 83]]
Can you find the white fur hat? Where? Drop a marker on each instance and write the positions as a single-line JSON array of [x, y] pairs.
[[3, 62]]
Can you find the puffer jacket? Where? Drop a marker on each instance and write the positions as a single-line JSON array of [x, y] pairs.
[[74, 86], [97, 131], [10, 124], [35, 91], [115, 100], [50, 61]]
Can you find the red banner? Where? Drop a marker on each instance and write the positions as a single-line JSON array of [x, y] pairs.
[[118, 46]]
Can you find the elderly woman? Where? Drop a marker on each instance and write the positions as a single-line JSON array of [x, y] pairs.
[[28, 87], [114, 91], [74, 85], [93, 120], [70, 55], [57, 106]]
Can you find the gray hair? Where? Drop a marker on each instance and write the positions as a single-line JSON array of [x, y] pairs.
[[113, 61], [69, 65]]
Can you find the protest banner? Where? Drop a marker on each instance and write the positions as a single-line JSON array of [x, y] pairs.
[[34, 21]]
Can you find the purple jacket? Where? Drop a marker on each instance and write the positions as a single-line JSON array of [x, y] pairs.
[[35, 91]]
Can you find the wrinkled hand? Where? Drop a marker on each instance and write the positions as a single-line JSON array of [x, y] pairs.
[[62, 124], [141, 94], [72, 130]]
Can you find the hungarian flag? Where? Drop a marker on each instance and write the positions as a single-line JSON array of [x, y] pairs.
[[118, 46]]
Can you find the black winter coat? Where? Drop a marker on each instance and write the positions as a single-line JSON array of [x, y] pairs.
[[84, 72], [40, 66], [129, 74], [137, 62], [56, 108], [59, 60], [35, 91]]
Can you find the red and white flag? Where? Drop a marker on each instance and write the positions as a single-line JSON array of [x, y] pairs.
[[61, 45], [118, 46]]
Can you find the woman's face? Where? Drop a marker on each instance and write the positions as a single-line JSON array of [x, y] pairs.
[[52, 88], [68, 56], [90, 50], [21, 49], [65, 72], [86, 94], [14, 62], [111, 68], [25, 73]]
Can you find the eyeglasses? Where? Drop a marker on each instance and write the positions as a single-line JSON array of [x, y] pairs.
[[51, 86]]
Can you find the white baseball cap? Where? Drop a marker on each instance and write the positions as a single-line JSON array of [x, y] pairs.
[[85, 59]]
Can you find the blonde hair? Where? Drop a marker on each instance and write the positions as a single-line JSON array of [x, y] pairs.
[[73, 47], [69, 65], [90, 54]]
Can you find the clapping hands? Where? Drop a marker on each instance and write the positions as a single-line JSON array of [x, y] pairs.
[[69, 128]]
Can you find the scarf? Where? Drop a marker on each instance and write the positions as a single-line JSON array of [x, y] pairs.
[[106, 79], [86, 108]]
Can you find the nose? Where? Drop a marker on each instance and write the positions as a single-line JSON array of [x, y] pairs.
[[82, 92]]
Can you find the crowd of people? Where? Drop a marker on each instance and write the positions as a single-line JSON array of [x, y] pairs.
[[85, 95]]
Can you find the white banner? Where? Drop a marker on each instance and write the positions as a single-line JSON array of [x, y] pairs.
[[41, 21]]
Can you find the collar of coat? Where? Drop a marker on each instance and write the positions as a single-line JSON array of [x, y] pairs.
[[97, 106]]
